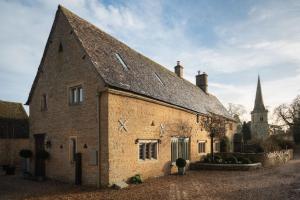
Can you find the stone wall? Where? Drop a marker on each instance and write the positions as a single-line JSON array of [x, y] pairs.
[[9, 151], [144, 118]]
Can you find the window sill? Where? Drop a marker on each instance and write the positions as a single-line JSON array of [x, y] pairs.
[[147, 160]]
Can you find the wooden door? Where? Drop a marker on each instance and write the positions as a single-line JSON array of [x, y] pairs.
[[39, 146]]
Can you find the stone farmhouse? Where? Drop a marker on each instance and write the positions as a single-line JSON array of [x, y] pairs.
[[123, 112], [14, 132]]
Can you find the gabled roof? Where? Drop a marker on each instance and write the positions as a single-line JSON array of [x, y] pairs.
[[140, 74], [259, 103], [12, 110]]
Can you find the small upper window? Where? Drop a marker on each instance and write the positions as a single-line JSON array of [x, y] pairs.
[[158, 78], [44, 105], [76, 95], [60, 48], [261, 119], [122, 61]]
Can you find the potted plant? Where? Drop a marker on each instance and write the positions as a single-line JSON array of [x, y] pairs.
[[181, 163], [26, 154]]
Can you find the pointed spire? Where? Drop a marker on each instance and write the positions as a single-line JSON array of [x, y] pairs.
[[259, 103]]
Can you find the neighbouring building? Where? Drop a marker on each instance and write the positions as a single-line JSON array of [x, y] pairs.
[[123, 112], [259, 116], [14, 132]]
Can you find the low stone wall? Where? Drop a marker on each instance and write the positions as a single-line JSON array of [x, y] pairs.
[[235, 167], [9, 151], [267, 159]]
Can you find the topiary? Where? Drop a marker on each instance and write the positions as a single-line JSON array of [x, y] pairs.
[[44, 155], [25, 153], [180, 162]]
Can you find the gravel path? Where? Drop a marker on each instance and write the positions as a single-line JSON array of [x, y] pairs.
[[282, 182]]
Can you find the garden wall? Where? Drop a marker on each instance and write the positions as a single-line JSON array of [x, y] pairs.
[[9, 150], [268, 159]]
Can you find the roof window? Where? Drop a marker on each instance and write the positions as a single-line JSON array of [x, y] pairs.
[[158, 78], [122, 61]]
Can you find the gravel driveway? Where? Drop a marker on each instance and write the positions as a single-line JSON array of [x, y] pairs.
[[282, 182]]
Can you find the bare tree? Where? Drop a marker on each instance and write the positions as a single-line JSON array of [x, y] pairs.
[[289, 115], [215, 125], [237, 110]]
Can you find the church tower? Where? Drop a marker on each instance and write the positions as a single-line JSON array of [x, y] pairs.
[[259, 116]]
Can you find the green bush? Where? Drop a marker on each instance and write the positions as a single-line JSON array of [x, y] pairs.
[[244, 160], [231, 160], [218, 159], [180, 162], [136, 179], [25, 153]]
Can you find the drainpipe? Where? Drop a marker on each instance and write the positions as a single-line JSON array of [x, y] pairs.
[[98, 96]]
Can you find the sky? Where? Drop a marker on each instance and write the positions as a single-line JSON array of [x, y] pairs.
[[231, 40]]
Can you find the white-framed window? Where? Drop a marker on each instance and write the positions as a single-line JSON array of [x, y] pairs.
[[201, 146], [76, 95], [217, 146], [180, 148], [72, 148], [148, 149]]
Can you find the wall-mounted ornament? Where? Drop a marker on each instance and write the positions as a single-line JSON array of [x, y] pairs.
[[152, 123], [85, 146], [122, 125], [162, 130], [61, 146]]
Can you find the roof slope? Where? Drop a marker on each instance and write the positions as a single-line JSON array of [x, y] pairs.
[[259, 103], [144, 76], [12, 110]]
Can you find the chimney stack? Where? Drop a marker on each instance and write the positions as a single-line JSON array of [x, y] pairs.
[[201, 81], [179, 70]]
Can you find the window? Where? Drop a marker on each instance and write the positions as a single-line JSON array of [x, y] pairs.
[[198, 118], [148, 150], [217, 146], [261, 119], [122, 61], [44, 105], [76, 95], [179, 148], [72, 148], [201, 146]]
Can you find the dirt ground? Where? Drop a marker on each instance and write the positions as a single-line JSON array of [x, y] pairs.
[[282, 182]]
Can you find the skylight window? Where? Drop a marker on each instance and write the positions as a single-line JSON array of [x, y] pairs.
[[158, 78], [122, 61]]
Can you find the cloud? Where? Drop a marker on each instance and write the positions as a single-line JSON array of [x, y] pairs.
[[232, 46]]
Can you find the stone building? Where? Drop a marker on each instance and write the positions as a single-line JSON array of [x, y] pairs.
[[14, 132], [123, 112], [259, 116]]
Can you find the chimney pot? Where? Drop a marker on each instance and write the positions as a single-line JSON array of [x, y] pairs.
[[201, 81], [178, 70]]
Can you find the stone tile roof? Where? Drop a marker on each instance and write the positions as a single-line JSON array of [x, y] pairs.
[[143, 76], [12, 110]]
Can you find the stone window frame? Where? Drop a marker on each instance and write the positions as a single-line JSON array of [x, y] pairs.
[[71, 148], [77, 87], [198, 144], [147, 147]]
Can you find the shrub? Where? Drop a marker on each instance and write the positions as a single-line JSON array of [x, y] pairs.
[[136, 179], [244, 160], [25, 153], [231, 160], [42, 155], [180, 162], [207, 158], [218, 159]]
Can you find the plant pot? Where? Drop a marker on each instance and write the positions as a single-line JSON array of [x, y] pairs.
[[181, 170], [10, 170]]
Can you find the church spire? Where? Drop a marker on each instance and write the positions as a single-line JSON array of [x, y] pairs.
[[259, 103]]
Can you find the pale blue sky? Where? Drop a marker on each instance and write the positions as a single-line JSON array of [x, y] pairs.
[[231, 40]]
